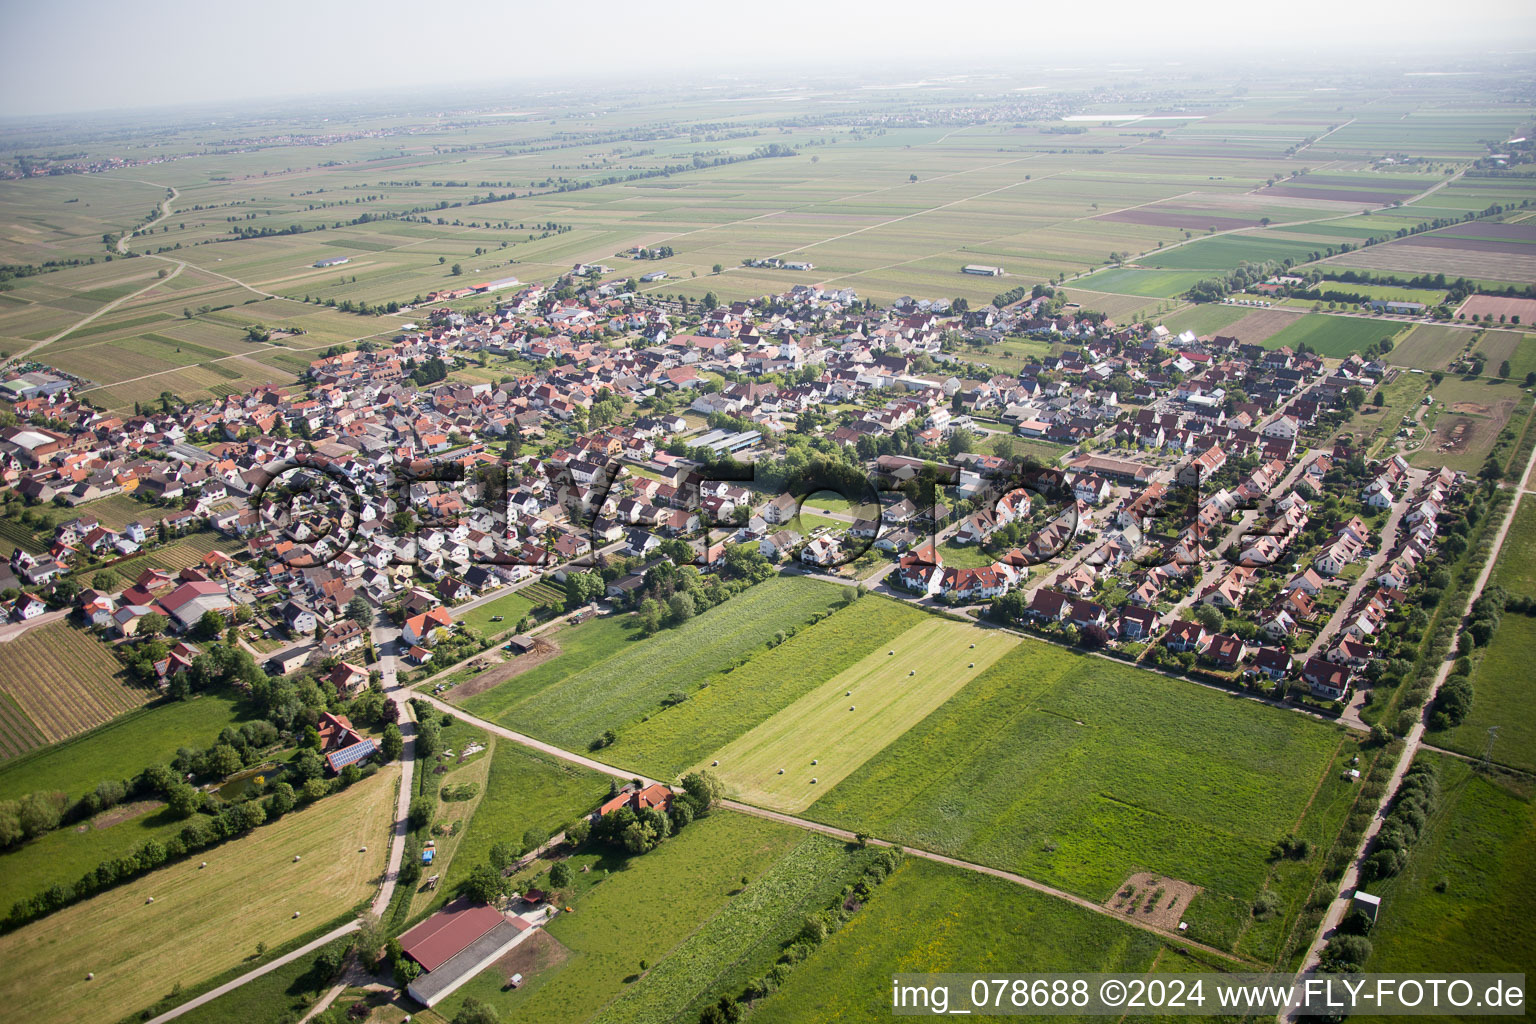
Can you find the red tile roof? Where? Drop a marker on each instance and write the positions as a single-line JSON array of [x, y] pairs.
[[448, 932]]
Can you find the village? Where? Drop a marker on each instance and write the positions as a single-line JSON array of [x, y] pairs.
[[1203, 515]]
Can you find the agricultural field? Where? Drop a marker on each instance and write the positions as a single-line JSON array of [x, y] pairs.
[[1152, 284], [63, 681], [1333, 336], [1467, 886], [1515, 568], [1225, 253], [1502, 696], [636, 677], [1519, 349], [1430, 347], [579, 647], [648, 910], [1080, 772], [932, 918], [1494, 306], [119, 749], [1205, 319], [824, 737], [138, 950], [739, 699]]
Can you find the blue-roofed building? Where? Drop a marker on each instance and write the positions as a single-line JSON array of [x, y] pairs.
[[343, 745], [351, 754]]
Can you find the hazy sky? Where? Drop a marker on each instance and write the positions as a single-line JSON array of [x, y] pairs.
[[68, 55]]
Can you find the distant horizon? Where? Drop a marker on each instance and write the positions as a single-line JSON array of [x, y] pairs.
[[74, 61]]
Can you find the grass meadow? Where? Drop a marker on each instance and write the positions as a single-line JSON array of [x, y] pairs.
[[511, 608], [523, 790], [1080, 771], [647, 910], [632, 678], [119, 749], [931, 918], [138, 950], [1503, 695], [740, 699], [1466, 900], [65, 854], [1515, 569], [855, 714]]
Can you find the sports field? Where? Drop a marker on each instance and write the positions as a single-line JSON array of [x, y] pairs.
[[823, 737], [138, 950]]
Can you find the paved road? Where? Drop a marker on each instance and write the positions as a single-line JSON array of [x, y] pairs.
[[1414, 740], [266, 968], [403, 802], [391, 871], [1372, 568]]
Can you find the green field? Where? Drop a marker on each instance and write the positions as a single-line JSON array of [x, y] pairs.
[[1204, 319], [119, 749], [855, 714], [1333, 336], [1503, 695], [932, 918], [1430, 347], [632, 678], [511, 608], [1080, 771], [524, 790], [65, 854], [648, 910], [1467, 899], [1515, 568], [1228, 251], [138, 950], [1155, 284], [283, 994], [738, 700]]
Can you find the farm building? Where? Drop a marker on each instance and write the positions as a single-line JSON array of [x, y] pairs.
[[655, 275], [332, 261], [981, 271], [1384, 306], [455, 944], [653, 796]]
